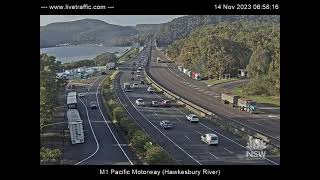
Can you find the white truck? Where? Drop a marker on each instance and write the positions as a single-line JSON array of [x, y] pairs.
[[210, 139], [75, 126]]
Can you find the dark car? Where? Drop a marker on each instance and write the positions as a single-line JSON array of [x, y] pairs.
[[141, 82], [103, 73], [93, 105], [132, 72]]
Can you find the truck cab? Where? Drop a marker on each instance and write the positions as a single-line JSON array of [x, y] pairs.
[[210, 139]]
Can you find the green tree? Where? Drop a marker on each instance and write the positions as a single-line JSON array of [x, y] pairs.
[[155, 155], [138, 141]]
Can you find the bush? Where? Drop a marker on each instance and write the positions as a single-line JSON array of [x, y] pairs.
[[155, 155], [118, 113], [138, 140], [128, 127], [112, 104], [47, 154]]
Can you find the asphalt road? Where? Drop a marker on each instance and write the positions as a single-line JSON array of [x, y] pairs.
[[183, 141], [103, 144], [266, 123]]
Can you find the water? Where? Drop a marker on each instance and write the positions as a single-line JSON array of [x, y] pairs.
[[80, 52]]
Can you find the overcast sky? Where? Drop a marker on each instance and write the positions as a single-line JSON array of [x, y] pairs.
[[123, 20]]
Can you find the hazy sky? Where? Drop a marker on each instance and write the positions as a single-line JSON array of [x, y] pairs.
[[123, 20]]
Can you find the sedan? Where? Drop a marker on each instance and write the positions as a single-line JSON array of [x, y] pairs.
[[165, 124]]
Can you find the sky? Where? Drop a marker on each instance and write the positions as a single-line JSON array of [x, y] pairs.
[[122, 20]]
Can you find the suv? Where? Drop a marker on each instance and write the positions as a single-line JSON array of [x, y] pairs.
[[165, 124], [81, 95], [139, 102], [165, 103], [192, 118]]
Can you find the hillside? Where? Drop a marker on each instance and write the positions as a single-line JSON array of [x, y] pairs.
[[86, 31], [182, 26]]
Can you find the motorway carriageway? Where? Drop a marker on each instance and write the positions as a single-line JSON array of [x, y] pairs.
[[103, 145], [178, 84], [183, 141]]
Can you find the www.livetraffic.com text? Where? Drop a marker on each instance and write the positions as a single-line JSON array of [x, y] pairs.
[[83, 7]]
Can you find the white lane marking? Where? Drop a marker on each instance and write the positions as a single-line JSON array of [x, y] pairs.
[[234, 141], [93, 83], [120, 145], [188, 138], [161, 131], [270, 108], [256, 123], [213, 155], [228, 150], [108, 124], [198, 132], [221, 134], [272, 116], [178, 119], [53, 124], [94, 135], [101, 121]]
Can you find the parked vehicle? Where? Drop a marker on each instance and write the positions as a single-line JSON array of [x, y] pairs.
[[81, 94], [192, 118], [135, 85], [210, 139], [165, 124], [142, 82]]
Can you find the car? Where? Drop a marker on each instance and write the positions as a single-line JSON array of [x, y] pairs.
[[103, 73], [154, 103], [140, 68], [93, 105], [139, 75], [165, 103], [141, 82], [132, 72], [210, 139], [139, 102], [135, 85], [81, 95], [165, 124], [150, 90], [138, 71], [132, 79], [192, 118]]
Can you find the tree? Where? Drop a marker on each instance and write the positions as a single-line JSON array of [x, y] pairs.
[[155, 155], [138, 141]]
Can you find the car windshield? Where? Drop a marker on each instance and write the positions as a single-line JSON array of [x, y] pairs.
[[214, 138]]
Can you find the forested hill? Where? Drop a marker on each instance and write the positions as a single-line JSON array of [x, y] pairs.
[[86, 31], [228, 46], [182, 26]]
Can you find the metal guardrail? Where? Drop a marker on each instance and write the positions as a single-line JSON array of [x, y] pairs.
[[229, 122]]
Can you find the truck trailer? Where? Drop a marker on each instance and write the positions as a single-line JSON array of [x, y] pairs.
[[127, 87], [231, 99], [75, 126]]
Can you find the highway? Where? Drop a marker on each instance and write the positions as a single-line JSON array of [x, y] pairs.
[[180, 84], [103, 144], [183, 141]]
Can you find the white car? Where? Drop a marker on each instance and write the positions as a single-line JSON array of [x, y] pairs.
[[154, 103], [139, 102], [150, 90], [192, 118], [81, 95], [135, 85], [138, 71], [165, 124], [210, 139]]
